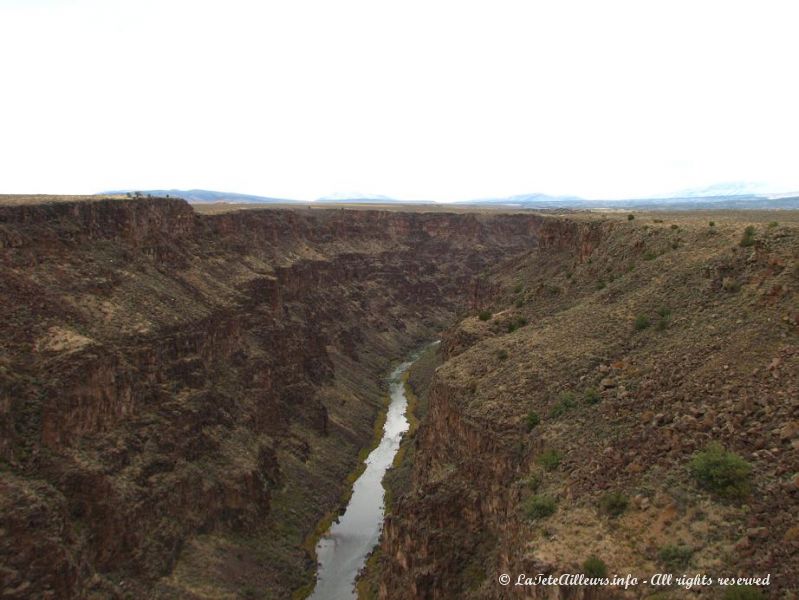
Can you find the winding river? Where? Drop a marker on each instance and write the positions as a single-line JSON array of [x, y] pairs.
[[342, 551]]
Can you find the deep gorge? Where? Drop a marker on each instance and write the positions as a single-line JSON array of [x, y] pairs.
[[184, 395]]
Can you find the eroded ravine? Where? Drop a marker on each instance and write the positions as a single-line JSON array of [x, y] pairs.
[[342, 551]]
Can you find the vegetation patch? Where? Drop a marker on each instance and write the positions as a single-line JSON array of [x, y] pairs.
[[566, 402], [724, 473], [748, 237], [614, 503], [549, 459], [743, 592], [540, 507], [591, 396], [484, 315], [595, 567], [675, 556], [664, 318], [532, 420]]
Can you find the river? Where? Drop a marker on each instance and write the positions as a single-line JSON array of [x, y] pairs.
[[342, 551]]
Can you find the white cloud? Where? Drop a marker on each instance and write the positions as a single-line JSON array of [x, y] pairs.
[[444, 99]]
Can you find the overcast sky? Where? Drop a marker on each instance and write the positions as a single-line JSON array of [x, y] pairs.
[[432, 99]]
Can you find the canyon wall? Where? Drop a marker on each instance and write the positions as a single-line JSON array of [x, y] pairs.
[[182, 396], [562, 430]]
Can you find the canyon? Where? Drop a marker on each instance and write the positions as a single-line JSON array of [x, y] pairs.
[[184, 395]]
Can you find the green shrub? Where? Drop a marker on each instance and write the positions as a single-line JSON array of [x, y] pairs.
[[650, 255], [664, 317], [614, 503], [601, 285], [566, 402], [630, 217], [712, 223], [540, 507], [521, 321], [591, 396], [724, 473], [657, 220], [748, 238], [730, 284], [675, 226], [595, 567], [532, 420], [519, 303], [641, 322], [534, 481], [549, 459], [502, 354], [518, 288], [512, 327], [743, 592], [773, 224], [484, 315], [675, 557]]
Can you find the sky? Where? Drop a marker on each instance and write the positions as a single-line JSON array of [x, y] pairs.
[[432, 99]]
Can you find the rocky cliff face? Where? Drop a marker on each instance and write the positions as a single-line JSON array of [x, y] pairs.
[[565, 427], [182, 396]]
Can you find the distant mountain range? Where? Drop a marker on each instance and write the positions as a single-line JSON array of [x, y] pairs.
[[200, 196], [712, 197], [356, 197], [742, 201]]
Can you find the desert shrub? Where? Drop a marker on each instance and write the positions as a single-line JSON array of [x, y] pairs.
[[549, 459], [650, 255], [664, 318], [512, 327], [641, 322], [748, 237], [614, 503], [553, 290], [521, 321], [630, 217], [601, 285], [675, 226], [249, 592], [591, 396], [743, 592], [534, 481], [724, 473], [518, 288], [502, 354], [657, 220], [484, 315], [730, 284], [712, 223], [531, 420], [595, 567], [566, 402], [773, 224], [519, 303], [675, 557], [540, 507]]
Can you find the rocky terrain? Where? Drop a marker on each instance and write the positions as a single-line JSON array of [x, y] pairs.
[[562, 428], [183, 396]]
